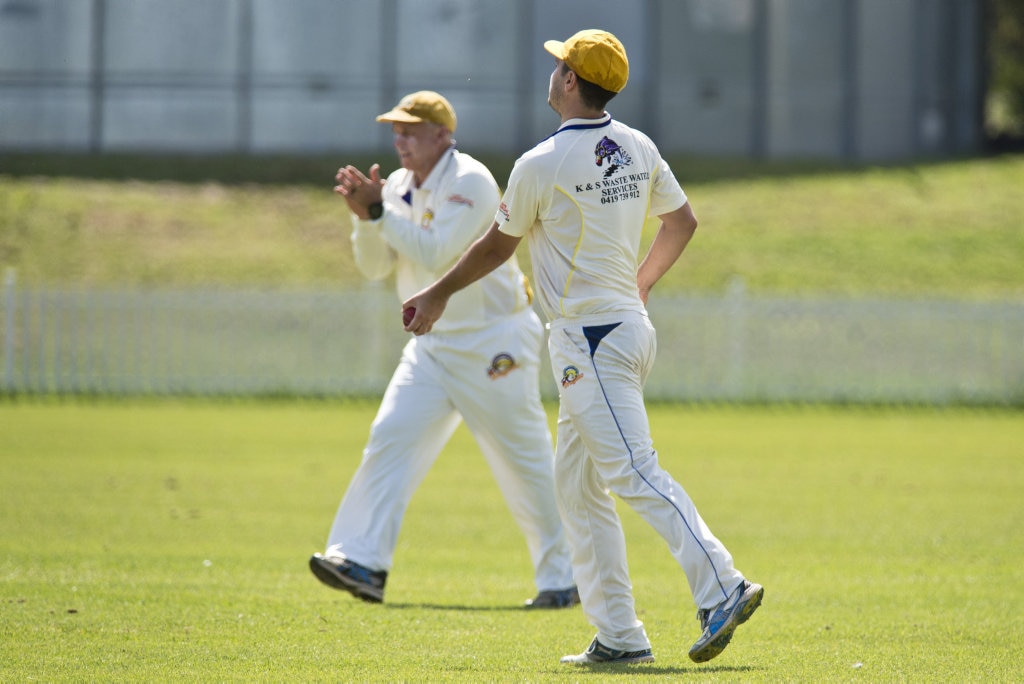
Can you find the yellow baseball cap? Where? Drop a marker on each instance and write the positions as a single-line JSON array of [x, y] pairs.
[[596, 56], [423, 105]]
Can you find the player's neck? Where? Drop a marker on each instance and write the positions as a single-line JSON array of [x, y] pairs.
[[419, 175], [579, 111], [591, 116]]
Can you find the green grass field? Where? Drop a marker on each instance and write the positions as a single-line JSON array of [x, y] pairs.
[[163, 540]]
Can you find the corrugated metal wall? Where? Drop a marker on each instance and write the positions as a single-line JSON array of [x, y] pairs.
[[833, 79]]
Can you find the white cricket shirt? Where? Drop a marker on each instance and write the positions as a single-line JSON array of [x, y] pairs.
[[581, 198], [425, 230]]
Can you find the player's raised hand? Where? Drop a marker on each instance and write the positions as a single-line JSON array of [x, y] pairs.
[[358, 189], [370, 188], [375, 178], [357, 186], [346, 180]]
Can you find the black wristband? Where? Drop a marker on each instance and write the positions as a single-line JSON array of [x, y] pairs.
[[375, 210]]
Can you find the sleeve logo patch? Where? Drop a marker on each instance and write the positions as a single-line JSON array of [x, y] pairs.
[[459, 199]]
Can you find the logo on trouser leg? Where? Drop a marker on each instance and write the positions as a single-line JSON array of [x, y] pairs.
[[502, 364], [570, 374]]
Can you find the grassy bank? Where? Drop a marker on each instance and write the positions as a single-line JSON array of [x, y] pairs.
[[949, 229]]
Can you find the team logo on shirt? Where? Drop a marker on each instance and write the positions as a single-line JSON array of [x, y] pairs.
[[570, 374], [609, 150], [502, 364]]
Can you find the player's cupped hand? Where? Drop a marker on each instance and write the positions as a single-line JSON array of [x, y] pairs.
[[357, 186], [428, 305]]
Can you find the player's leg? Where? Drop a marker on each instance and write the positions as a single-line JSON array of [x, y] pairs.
[[501, 406], [614, 428], [597, 541], [414, 421]]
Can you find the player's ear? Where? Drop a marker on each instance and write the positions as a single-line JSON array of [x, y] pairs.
[[570, 79]]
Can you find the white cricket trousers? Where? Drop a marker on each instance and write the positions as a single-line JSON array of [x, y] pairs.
[[440, 380], [604, 447]]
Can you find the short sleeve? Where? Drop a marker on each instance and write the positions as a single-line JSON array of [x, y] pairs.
[[520, 205], [666, 193]]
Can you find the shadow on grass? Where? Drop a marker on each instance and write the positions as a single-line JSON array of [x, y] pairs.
[[641, 669], [318, 170], [604, 668], [439, 606]]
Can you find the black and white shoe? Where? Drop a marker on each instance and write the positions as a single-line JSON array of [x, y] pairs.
[[341, 573], [555, 598], [598, 654]]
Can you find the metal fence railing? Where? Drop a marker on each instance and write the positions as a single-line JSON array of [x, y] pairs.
[[729, 347]]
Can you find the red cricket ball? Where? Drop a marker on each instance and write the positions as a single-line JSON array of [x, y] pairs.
[[407, 315]]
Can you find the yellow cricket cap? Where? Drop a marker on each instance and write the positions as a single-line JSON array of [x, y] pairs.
[[596, 56], [423, 105]]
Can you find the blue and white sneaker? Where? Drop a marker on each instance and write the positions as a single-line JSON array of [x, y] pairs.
[[341, 573], [721, 621], [599, 654]]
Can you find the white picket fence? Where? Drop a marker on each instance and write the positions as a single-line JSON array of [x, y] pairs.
[[729, 347]]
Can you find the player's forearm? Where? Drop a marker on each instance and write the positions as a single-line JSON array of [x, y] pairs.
[[674, 234], [483, 256], [373, 255], [486, 254]]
